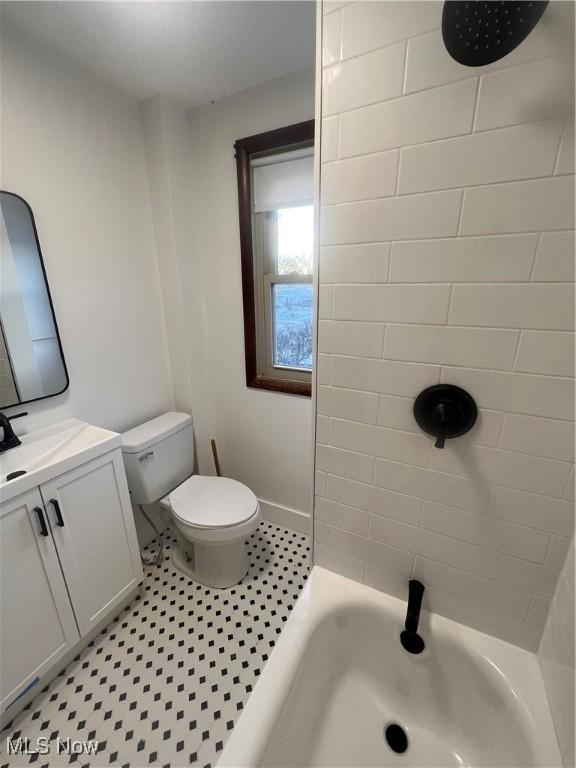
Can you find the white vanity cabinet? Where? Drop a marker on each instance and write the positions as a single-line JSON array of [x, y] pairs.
[[69, 561], [37, 626], [93, 527]]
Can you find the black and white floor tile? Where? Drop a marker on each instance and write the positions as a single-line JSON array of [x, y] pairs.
[[165, 682]]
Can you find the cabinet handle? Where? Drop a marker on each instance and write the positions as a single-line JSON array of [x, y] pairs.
[[43, 528], [59, 518]]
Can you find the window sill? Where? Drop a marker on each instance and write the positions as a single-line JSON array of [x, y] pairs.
[[302, 388]]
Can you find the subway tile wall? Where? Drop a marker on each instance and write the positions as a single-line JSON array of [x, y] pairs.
[[447, 255]]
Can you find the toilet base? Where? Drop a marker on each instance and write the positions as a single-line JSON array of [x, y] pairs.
[[214, 565]]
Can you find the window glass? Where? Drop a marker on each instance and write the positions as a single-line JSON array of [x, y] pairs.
[[295, 240], [292, 318]]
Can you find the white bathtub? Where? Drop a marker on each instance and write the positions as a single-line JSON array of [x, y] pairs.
[[338, 676]]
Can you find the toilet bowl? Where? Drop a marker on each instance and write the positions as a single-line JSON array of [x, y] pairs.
[[214, 516]]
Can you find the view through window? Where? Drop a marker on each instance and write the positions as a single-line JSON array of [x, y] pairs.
[[292, 301]]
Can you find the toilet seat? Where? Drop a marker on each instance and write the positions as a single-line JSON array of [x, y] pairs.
[[213, 503]]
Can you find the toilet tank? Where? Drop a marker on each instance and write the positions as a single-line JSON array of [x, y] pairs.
[[158, 456]]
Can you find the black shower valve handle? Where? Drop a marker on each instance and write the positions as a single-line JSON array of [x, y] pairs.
[[442, 419], [445, 411], [441, 413]]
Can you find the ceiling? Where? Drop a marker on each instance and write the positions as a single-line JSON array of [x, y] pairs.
[[196, 51]]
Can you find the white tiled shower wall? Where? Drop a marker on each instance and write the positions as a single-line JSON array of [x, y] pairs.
[[446, 255], [557, 659]]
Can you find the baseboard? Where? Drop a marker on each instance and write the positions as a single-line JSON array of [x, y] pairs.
[[286, 517]]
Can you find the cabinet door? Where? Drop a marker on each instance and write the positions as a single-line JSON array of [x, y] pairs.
[[93, 526], [37, 623]]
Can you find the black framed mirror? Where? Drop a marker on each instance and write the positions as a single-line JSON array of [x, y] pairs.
[[32, 365]]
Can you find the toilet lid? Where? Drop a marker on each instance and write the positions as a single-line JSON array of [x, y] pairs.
[[213, 502]]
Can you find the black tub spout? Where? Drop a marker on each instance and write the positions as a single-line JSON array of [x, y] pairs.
[[410, 639]]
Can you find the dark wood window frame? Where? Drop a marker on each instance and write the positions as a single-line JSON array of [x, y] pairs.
[[289, 137]]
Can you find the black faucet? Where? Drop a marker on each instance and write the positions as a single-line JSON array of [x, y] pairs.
[[410, 639], [9, 439]]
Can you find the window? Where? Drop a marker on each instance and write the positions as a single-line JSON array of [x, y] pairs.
[[283, 267], [275, 189]]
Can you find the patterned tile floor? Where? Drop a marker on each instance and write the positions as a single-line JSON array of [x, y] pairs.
[[165, 682]]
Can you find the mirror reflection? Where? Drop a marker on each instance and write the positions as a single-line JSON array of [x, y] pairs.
[[31, 360]]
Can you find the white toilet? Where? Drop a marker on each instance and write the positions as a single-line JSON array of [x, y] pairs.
[[214, 515]]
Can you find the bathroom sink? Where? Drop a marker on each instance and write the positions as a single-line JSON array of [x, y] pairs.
[[51, 451]]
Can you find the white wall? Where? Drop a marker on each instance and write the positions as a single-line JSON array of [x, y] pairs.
[[136, 208], [447, 256], [264, 438], [557, 658], [167, 148], [73, 148]]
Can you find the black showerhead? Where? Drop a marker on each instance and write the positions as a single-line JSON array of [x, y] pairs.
[[477, 33]]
